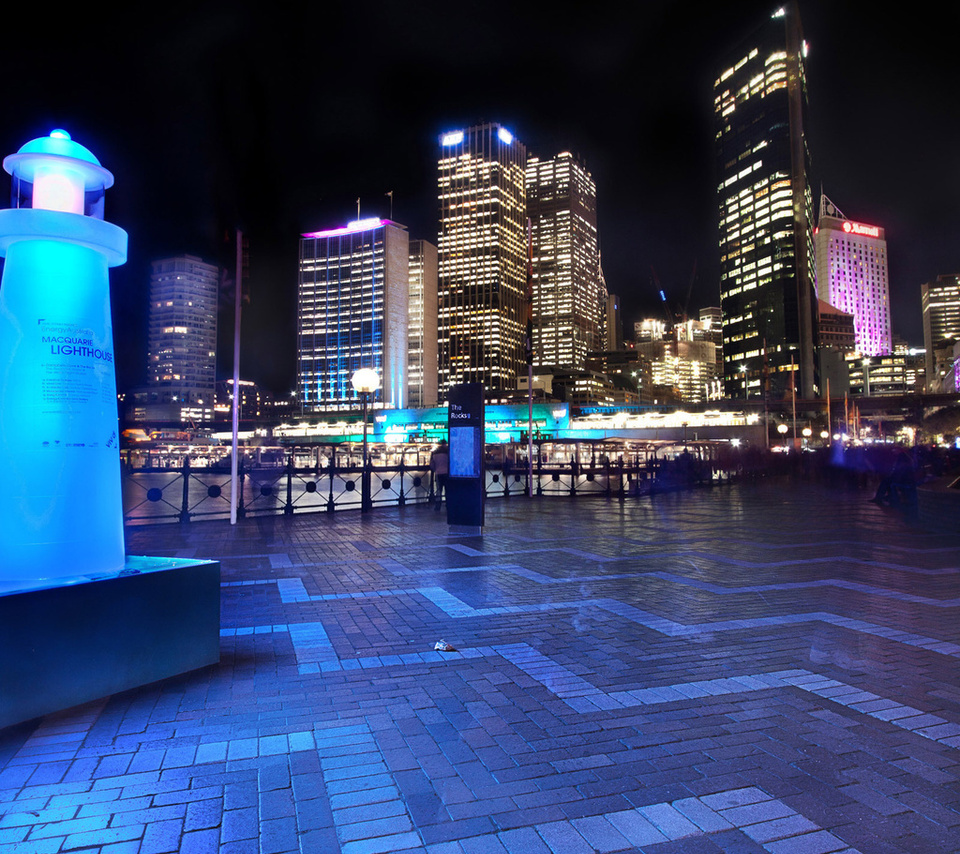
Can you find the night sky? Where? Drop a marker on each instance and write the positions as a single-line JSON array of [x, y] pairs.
[[276, 117]]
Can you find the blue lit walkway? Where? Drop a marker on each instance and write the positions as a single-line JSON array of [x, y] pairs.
[[768, 668]]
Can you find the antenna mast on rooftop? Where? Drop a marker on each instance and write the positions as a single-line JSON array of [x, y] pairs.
[[828, 208]]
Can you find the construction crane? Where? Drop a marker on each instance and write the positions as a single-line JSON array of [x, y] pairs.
[[663, 297], [681, 316]]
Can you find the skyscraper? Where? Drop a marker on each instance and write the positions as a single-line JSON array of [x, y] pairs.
[[182, 338], [765, 206], [352, 312], [482, 258], [422, 355], [567, 306], [940, 302], [852, 276]]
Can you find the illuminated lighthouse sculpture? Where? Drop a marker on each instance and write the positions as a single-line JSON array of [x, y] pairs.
[[61, 513]]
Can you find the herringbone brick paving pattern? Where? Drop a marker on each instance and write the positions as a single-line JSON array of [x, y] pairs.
[[756, 668]]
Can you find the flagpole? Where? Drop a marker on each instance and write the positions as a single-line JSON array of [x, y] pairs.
[[793, 395], [234, 491], [529, 355]]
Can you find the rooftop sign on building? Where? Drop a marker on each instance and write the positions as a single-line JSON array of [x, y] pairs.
[[859, 228]]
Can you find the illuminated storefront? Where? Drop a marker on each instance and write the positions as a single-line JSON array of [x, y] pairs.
[[506, 424]]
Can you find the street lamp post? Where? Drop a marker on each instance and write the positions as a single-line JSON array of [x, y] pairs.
[[365, 382], [782, 430]]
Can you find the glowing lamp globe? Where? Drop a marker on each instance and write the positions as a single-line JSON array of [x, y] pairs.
[[365, 381], [61, 513]]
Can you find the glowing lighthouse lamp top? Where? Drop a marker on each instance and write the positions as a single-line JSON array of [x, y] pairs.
[[55, 173]]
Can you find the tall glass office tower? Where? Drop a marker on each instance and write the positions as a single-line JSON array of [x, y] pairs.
[[766, 211], [567, 304], [482, 258], [352, 313]]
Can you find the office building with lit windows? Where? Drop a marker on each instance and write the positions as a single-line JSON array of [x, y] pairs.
[[940, 303], [895, 373], [852, 276], [765, 210], [567, 301], [422, 336], [182, 340], [711, 329], [482, 304], [352, 302], [682, 356]]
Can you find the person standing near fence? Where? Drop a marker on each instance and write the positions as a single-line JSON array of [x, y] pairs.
[[440, 467]]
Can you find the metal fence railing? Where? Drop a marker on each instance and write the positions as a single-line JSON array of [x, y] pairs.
[[184, 493]]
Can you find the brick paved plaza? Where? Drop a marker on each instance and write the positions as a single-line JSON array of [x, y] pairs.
[[754, 668]]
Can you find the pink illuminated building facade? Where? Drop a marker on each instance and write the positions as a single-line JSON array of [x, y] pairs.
[[852, 276]]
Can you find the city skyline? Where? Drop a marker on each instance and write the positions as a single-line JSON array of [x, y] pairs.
[[201, 117]]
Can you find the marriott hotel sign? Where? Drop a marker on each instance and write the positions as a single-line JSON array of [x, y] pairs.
[[859, 228]]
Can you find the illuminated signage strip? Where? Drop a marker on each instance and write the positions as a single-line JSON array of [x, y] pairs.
[[350, 228], [859, 228]]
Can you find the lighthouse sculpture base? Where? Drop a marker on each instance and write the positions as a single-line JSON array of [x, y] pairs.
[[81, 639]]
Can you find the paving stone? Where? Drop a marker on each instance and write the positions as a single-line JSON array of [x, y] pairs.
[[818, 842], [524, 840], [203, 814], [600, 833], [240, 824], [669, 821], [780, 828], [562, 837], [161, 837]]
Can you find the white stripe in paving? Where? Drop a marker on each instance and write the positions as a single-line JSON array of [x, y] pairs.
[[581, 696], [369, 814], [315, 654], [870, 589], [772, 824]]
